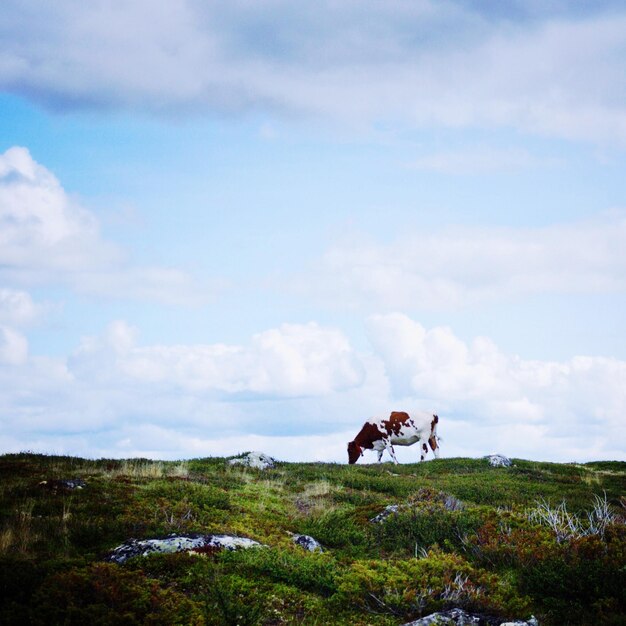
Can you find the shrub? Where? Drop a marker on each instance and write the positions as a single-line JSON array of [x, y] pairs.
[[336, 529], [411, 587], [227, 598], [423, 522], [197, 495], [582, 581], [105, 594], [507, 540], [309, 571]]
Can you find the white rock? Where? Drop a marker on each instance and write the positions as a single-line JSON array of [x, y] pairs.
[[308, 543], [178, 543], [459, 617], [383, 515], [498, 460], [256, 460]]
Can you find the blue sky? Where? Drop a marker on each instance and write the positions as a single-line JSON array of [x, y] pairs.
[[256, 225]]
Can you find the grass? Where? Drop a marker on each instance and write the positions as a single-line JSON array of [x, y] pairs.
[[491, 555]]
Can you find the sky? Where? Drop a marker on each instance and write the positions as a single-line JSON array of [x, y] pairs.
[[254, 225]]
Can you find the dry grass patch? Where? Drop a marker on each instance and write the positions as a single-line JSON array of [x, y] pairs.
[[317, 497], [142, 468], [19, 535]]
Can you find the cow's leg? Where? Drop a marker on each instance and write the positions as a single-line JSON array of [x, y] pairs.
[[424, 452], [434, 444], [392, 452], [380, 455]]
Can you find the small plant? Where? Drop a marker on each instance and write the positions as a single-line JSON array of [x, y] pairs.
[[566, 525]]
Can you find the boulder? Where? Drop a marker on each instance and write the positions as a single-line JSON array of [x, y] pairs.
[[459, 617], [498, 460], [256, 460], [192, 542], [308, 543]]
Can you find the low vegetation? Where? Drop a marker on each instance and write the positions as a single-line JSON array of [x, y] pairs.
[[536, 538]]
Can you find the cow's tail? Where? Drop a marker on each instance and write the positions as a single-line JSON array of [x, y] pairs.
[[437, 439], [434, 428]]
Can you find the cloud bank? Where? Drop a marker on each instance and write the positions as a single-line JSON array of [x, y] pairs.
[[555, 70], [294, 387]]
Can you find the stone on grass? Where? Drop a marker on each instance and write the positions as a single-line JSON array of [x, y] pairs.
[[498, 460], [449, 502], [308, 543], [67, 484], [383, 515], [191, 542], [459, 617], [256, 460]]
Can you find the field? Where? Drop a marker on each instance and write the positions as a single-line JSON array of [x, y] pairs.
[[539, 539]]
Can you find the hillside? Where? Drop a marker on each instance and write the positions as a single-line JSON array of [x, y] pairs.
[[464, 535]]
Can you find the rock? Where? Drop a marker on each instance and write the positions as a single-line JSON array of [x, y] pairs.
[[308, 543], [498, 460], [192, 542], [256, 460], [449, 502], [68, 484], [383, 515], [459, 617], [453, 617]]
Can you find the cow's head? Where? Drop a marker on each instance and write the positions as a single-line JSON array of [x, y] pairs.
[[354, 452]]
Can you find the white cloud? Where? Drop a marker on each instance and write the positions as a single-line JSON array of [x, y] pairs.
[[458, 267], [17, 307], [158, 442], [47, 237], [293, 360], [13, 347], [300, 392], [113, 396], [567, 404], [41, 227], [551, 71], [168, 443]]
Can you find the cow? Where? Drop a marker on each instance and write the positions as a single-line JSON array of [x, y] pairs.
[[400, 428]]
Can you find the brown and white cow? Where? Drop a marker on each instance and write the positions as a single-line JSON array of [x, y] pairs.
[[400, 428]]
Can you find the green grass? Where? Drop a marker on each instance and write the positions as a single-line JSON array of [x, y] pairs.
[[487, 556]]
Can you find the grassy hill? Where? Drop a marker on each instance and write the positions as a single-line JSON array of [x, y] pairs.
[[491, 553]]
